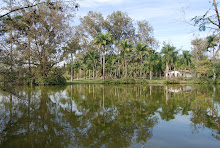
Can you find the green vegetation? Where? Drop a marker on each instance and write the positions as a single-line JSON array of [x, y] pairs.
[[37, 40]]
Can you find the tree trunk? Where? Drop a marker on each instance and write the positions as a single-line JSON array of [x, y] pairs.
[[71, 67], [100, 54], [29, 54], [89, 75], [160, 75], [150, 74], [11, 52], [85, 73], [140, 74], [214, 75], [125, 61], [141, 68], [135, 74], [115, 73], [167, 70], [174, 72], [103, 64], [93, 72]]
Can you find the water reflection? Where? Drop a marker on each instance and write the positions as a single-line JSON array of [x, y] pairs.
[[104, 116]]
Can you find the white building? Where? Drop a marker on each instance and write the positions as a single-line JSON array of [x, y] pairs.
[[174, 74], [186, 74]]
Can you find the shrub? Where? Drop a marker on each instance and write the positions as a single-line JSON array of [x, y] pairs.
[[203, 80], [172, 81], [55, 77], [144, 81]]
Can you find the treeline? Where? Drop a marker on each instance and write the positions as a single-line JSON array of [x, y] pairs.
[[34, 42], [119, 47]]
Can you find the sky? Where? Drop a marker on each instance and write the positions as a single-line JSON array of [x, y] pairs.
[[169, 18]]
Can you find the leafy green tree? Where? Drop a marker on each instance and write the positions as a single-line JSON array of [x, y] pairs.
[[141, 50], [71, 48], [168, 52], [126, 46], [211, 43], [93, 58], [120, 25], [91, 25], [104, 40]]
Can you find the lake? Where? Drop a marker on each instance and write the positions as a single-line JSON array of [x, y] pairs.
[[112, 116]]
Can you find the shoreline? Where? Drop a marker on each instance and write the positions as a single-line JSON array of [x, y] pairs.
[[138, 81]]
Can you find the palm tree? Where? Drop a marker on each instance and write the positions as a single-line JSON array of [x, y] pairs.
[[125, 48], [141, 49], [153, 57], [111, 64], [168, 53], [186, 59], [93, 58], [211, 43], [104, 40], [71, 49], [98, 41]]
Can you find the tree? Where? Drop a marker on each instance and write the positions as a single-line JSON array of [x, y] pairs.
[[211, 43], [91, 25], [93, 57], [120, 25], [186, 59], [125, 48], [40, 33], [71, 48], [145, 33], [153, 57], [141, 49], [168, 52], [104, 40]]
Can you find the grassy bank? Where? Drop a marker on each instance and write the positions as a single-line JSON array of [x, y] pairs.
[[86, 81], [137, 81]]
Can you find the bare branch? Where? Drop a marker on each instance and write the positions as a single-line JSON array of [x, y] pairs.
[[21, 8]]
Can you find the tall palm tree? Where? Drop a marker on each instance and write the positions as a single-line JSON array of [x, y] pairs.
[[104, 40], [168, 53], [141, 49], [71, 48], [186, 59], [125, 48], [98, 41], [93, 58], [211, 43], [153, 57]]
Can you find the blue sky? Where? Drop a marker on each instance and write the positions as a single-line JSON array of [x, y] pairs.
[[166, 16]]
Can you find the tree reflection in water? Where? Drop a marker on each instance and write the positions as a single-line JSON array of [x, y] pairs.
[[98, 115]]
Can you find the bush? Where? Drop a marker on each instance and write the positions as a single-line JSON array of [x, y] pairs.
[[144, 81], [172, 81], [203, 80], [55, 77]]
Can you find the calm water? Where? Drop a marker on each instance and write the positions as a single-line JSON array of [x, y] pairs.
[[111, 116]]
